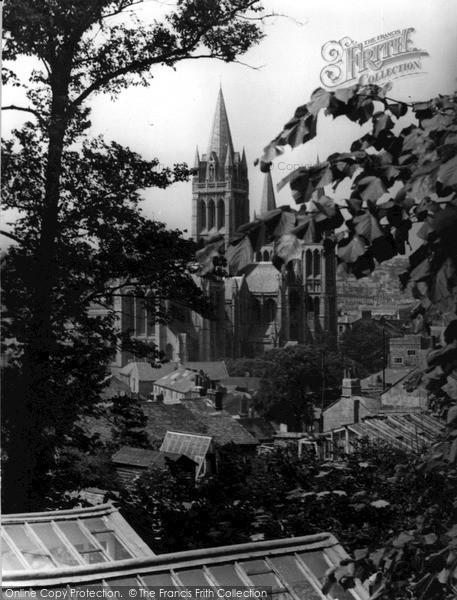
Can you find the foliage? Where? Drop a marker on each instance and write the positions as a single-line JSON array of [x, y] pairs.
[[238, 367], [297, 380], [81, 237], [366, 343], [276, 495]]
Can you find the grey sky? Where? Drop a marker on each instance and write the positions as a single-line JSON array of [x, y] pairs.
[[171, 117]]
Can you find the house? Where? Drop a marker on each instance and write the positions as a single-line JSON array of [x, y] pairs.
[[176, 386], [130, 463], [260, 428], [141, 375], [86, 549], [351, 407]]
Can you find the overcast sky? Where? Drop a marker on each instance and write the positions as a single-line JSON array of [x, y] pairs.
[[171, 117]]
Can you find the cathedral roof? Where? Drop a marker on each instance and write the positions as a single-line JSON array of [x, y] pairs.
[[262, 278], [220, 138], [268, 201]]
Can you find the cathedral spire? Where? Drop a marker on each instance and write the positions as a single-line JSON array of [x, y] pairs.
[[268, 196], [220, 138], [197, 159]]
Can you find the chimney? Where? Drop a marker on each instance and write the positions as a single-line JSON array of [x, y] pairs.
[[216, 398], [350, 385]]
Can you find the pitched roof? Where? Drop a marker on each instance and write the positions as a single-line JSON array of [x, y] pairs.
[[144, 371], [195, 416], [260, 428], [215, 369], [55, 541], [293, 567], [137, 457], [181, 380], [413, 432]]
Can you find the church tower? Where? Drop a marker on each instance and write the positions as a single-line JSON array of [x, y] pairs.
[[220, 189]]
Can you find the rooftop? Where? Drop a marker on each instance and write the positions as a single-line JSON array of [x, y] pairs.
[[293, 567], [52, 542]]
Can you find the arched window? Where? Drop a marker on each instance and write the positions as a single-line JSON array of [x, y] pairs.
[[294, 310], [316, 306], [169, 352], [309, 304], [256, 310], [140, 317], [211, 171], [258, 256], [309, 263], [211, 214], [269, 310], [317, 263], [202, 214], [220, 214], [266, 256]]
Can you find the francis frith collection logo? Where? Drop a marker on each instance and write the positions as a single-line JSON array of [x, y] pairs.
[[384, 57]]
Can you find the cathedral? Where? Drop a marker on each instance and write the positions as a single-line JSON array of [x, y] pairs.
[[260, 308]]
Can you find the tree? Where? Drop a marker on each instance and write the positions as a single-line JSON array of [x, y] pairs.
[[297, 380], [80, 208], [367, 343]]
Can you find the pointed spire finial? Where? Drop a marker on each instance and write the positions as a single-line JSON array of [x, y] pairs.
[[221, 138], [268, 201]]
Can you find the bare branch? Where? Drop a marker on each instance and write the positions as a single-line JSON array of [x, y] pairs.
[[27, 109], [11, 236]]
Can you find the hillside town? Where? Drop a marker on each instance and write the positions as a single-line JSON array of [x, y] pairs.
[[265, 404]]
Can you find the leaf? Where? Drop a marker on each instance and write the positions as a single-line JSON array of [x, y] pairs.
[[402, 540], [451, 418], [320, 99], [239, 256], [350, 249], [288, 247], [368, 226], [380, 503]]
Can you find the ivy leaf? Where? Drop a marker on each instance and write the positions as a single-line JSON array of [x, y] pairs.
[[370, 188], [447, 173], [380, 503], [350, 250], [368, 226]]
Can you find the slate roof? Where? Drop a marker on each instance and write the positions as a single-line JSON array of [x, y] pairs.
[[145, 372], [294, 568], [258, 427], [137, 457], [215, 369], [392, 377], [181, 380], [191, 416]]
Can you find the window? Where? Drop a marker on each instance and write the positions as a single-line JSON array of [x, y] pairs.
[[211, 214], [220, 214], [202, 214], [398, 360], [411, 352]]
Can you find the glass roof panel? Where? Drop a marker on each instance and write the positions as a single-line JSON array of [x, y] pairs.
[[227, 575], [56, 547], [10, 562], [107, 539], [33, 554], [192, 446], [81, 542]]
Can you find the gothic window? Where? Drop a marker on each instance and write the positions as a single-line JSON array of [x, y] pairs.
[[211, 214], [316, 306], [202, 214], [140, 317], [256, 310], [258, 256], [309, 263], [309, 304], [266, 256], [294, 314], [169, 352], [317, 263], [128, 313], [220, 214], [269, 310]]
